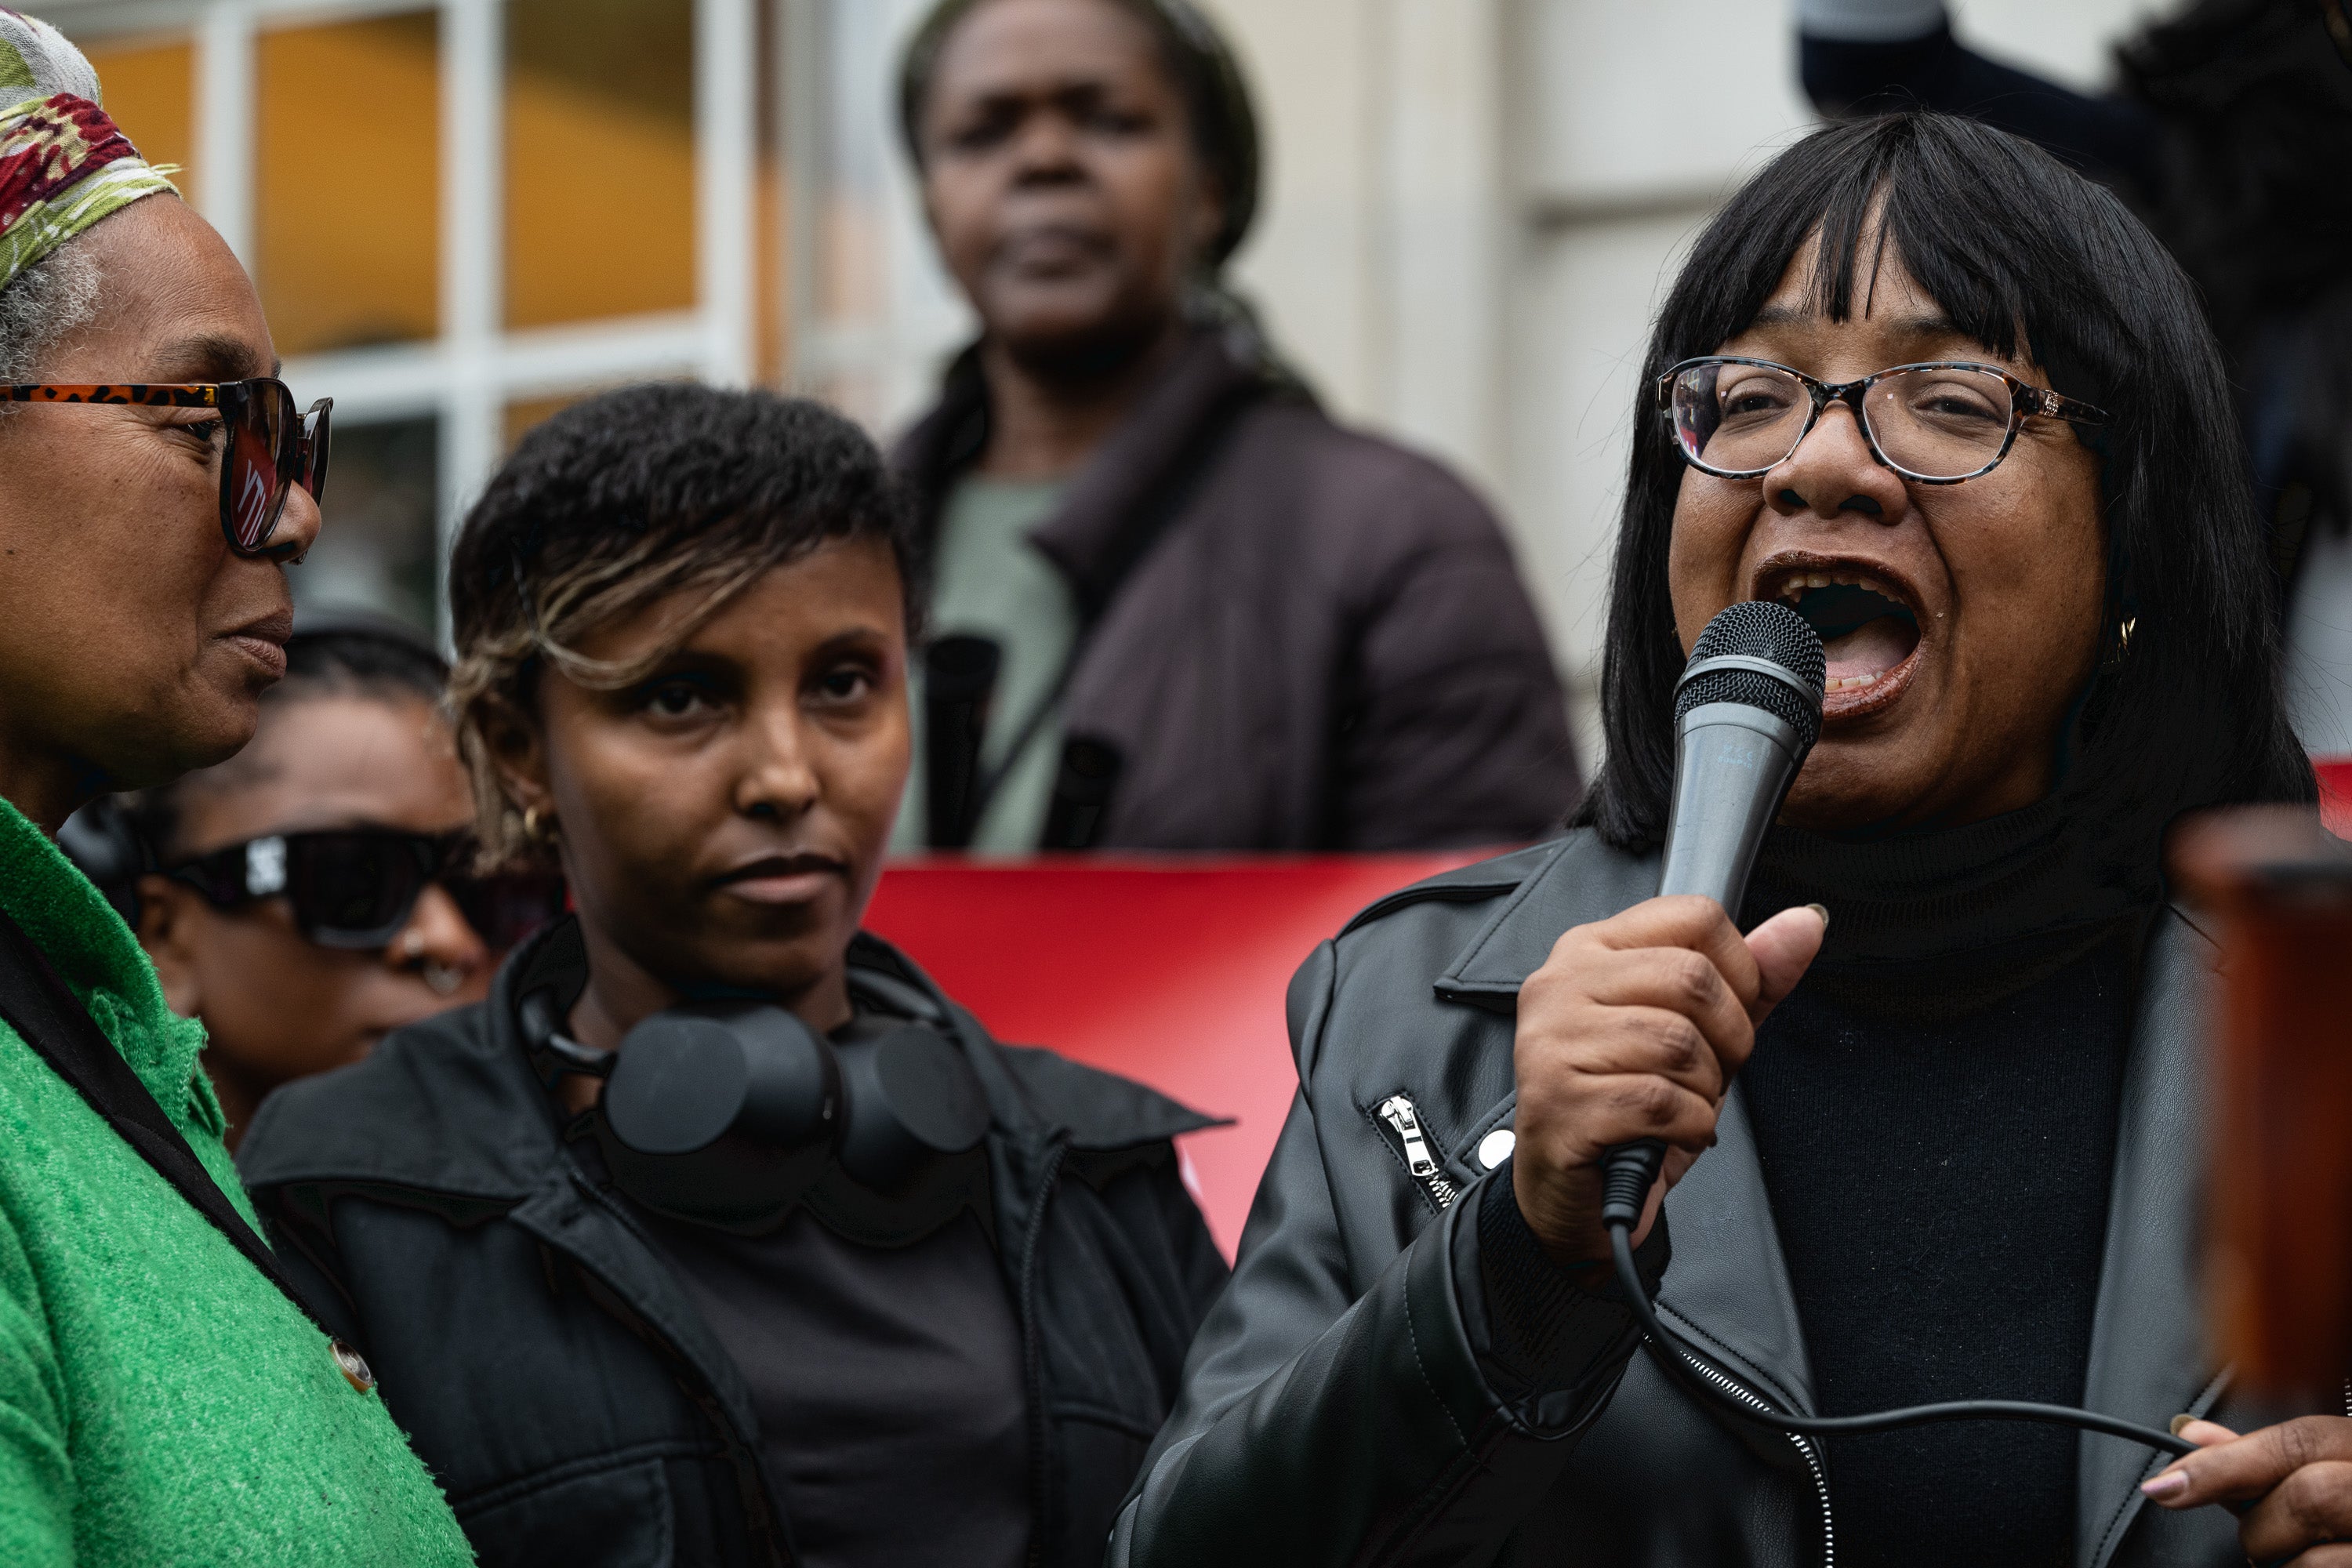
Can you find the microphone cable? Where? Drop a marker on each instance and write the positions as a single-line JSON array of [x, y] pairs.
[[1629, 1172]]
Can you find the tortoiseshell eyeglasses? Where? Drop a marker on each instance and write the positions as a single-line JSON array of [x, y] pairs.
[[267, 450]]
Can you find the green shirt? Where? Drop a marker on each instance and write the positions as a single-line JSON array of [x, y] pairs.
[[160, 1402], [988, 580]]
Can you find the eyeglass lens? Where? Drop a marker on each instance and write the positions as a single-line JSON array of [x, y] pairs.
[[258, 469], [1941, 423], [316, 445], [353, 888], [357, 890]]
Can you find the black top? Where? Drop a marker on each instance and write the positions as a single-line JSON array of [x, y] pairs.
[[888, 1382], [888, 1379], [1940, 1190]]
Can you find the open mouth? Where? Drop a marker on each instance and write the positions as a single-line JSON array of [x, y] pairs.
[[1866, 630]]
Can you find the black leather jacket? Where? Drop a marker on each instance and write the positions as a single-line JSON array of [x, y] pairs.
[[1341, 1403], [556, 1375]]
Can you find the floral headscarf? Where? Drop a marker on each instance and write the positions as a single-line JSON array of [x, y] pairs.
[[63, 164]]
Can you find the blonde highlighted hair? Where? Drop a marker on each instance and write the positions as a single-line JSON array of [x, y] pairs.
[[618, 503]]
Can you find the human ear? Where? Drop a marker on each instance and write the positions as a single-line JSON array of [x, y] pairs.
[[1208, 217], [518, 751], [167, 930]]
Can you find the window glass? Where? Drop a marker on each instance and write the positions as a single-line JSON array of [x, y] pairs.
[[376, 550], [600, 159], [149, 86], [346, 181], [526, 411]]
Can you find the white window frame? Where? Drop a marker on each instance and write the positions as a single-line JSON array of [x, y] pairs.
[[465, 378]]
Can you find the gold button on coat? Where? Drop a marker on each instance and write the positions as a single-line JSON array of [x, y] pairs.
[[353, 1366]]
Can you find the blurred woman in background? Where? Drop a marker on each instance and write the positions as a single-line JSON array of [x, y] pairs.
[[1177, 607], [315, 892]]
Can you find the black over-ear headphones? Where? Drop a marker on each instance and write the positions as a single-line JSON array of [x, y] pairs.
[[730, 1110]]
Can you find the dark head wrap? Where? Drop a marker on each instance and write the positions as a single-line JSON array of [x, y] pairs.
[[1199, 61]]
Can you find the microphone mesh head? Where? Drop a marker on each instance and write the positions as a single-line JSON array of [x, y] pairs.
[[1773, 632]]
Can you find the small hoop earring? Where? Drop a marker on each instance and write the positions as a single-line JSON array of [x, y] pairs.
[[535, 826]]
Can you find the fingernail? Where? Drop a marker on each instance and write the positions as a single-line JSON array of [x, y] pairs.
[[2171, 1484], [1823, 910], [2183, 1419]]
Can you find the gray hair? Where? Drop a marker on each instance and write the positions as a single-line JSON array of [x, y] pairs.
[[43, 306]]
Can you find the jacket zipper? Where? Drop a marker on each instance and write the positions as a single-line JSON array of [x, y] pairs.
[[1812, 1455], [1399, 1112]]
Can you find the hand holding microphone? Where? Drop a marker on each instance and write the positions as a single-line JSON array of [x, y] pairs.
[[1630, 1033]]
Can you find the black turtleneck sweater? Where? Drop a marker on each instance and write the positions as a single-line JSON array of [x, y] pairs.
[[1935, 1110]]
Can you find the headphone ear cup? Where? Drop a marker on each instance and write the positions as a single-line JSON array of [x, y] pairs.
[[691, 1075], [911, 1094]]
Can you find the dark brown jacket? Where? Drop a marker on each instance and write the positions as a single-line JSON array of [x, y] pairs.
[[1296, 637]]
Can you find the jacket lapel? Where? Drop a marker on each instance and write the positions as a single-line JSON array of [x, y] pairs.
[[1126, 490], [566, 1216], [1728, 1290], [2149, 1359]]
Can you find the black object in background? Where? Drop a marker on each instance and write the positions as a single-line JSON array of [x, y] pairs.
[[958, 684], [1082, 792], [104, 846]]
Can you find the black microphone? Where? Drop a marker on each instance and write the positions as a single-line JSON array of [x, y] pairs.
[[1747, 712]]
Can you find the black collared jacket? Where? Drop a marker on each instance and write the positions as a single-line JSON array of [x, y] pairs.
[[1346, 1402], [557, 1378]]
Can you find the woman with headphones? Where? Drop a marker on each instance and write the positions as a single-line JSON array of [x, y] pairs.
[[718, 1235]]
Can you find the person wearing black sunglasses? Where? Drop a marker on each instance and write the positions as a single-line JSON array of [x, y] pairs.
[[317, 891]]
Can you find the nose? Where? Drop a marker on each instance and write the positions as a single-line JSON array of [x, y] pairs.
[[1046, 150], [438, 943], [1833, 474], [297, 525], [780, 780]]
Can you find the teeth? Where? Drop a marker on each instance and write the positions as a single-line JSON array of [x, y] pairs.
[[1847, 682], [1797, 583]]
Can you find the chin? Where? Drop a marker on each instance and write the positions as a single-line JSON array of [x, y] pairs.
[[218, 729], [1078, 338]]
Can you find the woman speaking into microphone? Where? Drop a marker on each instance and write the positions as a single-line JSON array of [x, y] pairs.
[[1953, 406]]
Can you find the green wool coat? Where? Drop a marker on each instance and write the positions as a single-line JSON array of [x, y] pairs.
[[160, 1402]]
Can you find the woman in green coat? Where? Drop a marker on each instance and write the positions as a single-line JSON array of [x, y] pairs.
[[163, 1399]]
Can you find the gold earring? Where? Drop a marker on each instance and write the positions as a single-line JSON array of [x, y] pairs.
[[535, 826]]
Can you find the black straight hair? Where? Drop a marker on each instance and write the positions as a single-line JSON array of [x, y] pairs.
[[2034, 262]]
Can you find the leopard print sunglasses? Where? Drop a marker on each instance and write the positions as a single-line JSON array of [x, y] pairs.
[[270, 448]]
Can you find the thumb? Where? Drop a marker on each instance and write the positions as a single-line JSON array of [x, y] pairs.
[[1784, 947]]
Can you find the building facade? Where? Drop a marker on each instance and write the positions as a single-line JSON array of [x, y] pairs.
[[465, 212]]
